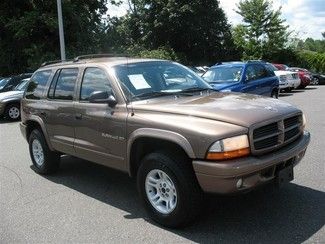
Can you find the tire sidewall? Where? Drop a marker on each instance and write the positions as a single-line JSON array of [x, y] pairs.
[[157, 161], [36, 135]]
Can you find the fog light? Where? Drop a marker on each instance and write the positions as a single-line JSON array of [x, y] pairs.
[[239, 183]]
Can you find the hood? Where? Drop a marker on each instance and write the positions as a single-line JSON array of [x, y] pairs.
[[223, 85], [11, 95], [235, 108]]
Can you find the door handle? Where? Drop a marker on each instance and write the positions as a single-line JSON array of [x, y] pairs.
[[44, 114], [78, 116]]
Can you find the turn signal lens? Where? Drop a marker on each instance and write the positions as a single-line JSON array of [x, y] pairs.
[[228, 155]]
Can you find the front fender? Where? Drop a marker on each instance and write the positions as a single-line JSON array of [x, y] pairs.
[[159, 134]]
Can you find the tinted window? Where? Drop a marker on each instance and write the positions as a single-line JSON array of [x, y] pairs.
[[64, 88], [251, 73], [94, 79], [260, 71], [37, 84]]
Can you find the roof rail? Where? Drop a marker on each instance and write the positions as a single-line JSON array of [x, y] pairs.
[[53, 62], [254, 61], [104, 55]]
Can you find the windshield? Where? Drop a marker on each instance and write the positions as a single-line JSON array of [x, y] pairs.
[[22, 85], [3, 82], [149, 79], [228, 74]]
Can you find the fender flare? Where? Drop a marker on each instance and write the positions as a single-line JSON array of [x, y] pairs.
[[158, 134], [39, 121]]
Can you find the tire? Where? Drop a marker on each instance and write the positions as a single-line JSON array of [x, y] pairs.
[[44, 160], [315, 81], [275, 94], [172, 173], [12, 112]]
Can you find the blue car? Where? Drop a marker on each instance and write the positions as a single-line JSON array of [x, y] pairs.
[[249, 77]]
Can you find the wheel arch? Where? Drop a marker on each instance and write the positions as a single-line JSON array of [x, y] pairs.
[[37, 123], [144, 141]]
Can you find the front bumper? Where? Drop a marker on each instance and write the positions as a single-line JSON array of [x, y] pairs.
[[223, 176]]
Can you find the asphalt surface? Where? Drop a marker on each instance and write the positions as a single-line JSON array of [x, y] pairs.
[[87, 203]]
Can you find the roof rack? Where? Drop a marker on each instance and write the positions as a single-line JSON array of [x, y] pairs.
[[104, 55], [53, 62]]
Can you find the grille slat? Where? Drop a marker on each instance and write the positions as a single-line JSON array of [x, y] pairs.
[[277, 134]]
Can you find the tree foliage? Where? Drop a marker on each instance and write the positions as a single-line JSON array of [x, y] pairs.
[[263, 32], [29, 31]]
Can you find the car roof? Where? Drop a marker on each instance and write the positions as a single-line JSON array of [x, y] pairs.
[[108, 61]]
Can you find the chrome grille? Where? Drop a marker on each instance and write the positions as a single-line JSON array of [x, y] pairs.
[[295, 76], [276, 134]]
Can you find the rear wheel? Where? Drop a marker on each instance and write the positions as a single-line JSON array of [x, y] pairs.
[[12, 112], [275, 94], [168, 189], [44, 160]]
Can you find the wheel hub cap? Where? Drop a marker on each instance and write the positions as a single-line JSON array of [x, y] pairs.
[[13, 112], [38, 153], [161, 191]]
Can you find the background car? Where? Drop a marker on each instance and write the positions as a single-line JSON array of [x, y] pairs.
[[304, 75], [9, 83], [317, 79], [281, 66], [288, 80], [248, 77], [10, 101]]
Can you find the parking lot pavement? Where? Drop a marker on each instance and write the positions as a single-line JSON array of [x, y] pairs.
[[88, 203]]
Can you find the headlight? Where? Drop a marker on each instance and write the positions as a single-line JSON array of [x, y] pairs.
[[233, 147]]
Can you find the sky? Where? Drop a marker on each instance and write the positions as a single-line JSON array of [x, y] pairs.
[[306, 18]]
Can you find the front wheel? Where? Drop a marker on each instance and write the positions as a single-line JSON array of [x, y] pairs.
[[169, 190], [12, 112], [315, 81]]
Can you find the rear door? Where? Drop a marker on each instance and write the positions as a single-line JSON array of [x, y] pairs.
[[252, 81], [100, 130], [58, 109], [266, 80]]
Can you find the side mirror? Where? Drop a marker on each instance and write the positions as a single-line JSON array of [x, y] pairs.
[[103, 97]]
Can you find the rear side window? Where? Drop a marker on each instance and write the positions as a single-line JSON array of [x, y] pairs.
[[63, 84], [94, 79], [37, 84]]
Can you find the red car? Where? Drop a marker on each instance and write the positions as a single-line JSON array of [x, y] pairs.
[[281, 66], [304, 75]]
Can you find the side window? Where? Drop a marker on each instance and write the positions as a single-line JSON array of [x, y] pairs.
[[260, 71], [251, 73], [37, 84], [64, 85], [94, 79]]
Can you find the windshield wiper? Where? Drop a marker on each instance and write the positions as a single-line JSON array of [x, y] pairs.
[[158, 94], [197, 89]]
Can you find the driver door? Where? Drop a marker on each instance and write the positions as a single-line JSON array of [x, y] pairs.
[[100, 131]]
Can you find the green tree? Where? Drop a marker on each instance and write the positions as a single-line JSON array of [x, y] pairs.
[[264, 33], [197, 30], [29, 31]]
